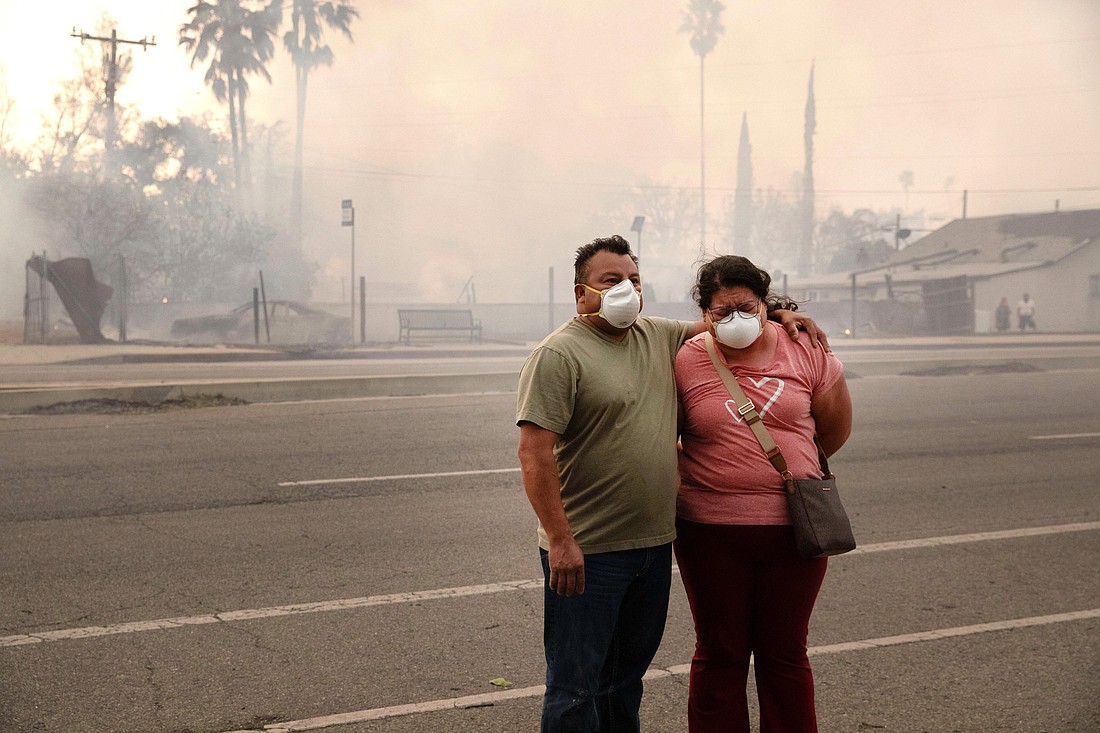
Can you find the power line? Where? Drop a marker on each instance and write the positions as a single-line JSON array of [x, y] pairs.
[[112, 75], [379, 172]]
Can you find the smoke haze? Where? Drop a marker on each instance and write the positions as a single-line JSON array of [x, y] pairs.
[[488, 140]]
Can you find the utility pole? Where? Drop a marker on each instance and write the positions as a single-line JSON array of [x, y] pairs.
[[702, 165], [347, 219], [112, 78], [639, 222]]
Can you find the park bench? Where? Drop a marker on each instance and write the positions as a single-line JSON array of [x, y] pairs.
[[437, 323]]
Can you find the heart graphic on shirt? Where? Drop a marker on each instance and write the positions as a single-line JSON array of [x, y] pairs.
[[731, 406]]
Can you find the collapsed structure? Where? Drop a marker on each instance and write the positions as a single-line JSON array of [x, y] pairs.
[[84, 298]]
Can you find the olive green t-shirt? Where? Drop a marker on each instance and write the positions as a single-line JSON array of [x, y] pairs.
[[613, 404]]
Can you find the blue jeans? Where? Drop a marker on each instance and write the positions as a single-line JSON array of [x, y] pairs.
[[600, 643]]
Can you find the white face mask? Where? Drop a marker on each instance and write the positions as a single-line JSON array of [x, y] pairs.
[[619, 305], [739, 330]]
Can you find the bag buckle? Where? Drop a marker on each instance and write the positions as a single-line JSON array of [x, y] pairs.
[[746, 408]]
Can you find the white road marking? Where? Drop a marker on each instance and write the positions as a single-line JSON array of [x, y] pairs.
[[269, 612], [1064, 437], [489, 698], [344, 604], [396, 477], [377, 398], [937, 634], [1007, 534]]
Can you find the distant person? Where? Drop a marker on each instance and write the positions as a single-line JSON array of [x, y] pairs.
[[1003, 315], [596, 410], [751, 593], [1025, 312]]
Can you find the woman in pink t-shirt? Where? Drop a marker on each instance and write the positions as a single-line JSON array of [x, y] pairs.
[[750, 591]]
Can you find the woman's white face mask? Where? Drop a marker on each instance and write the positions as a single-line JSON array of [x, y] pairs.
[[619, 304], [740, 330]]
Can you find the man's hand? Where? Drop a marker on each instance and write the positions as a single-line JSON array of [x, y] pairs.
[[566, 568], [793, 322]]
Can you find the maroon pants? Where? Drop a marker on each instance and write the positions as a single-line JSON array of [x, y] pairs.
[[750, 593]]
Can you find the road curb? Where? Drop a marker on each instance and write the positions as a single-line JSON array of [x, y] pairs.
[[275, 390]]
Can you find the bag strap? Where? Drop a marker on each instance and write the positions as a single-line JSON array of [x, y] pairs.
[[747, 410]]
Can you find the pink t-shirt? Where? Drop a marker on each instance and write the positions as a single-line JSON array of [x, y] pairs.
[[725, 478]]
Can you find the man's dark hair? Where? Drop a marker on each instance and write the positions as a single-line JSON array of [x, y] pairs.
[[728, 271], [613, 244]]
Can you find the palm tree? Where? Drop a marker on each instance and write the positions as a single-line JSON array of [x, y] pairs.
[[259, 27], [306, 44], [701, 19], [239, 42]]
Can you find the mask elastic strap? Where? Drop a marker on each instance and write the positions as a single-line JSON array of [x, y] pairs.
[[598, 292]]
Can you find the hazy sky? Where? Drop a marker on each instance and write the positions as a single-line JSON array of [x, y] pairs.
[[479, 138]]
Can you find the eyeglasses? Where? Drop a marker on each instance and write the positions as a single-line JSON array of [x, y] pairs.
[[723, 312]]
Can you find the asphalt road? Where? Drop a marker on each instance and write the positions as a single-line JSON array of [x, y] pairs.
[[224, 569]]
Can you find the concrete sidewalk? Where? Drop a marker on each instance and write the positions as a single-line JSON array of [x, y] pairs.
[[36, 375]]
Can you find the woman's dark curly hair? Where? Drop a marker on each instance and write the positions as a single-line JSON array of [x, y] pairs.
[[729, 271]]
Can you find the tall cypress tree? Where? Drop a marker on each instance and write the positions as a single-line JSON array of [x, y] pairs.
[[806, 246], [742, 198]]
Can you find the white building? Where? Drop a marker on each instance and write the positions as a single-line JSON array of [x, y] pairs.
[[951, 281]]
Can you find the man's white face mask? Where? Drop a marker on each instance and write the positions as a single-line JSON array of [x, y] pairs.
[[619, 305], [739, 330]]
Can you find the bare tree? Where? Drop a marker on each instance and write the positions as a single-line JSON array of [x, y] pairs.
[[7, 113], [851, 241], [776, 228], [75, 131]]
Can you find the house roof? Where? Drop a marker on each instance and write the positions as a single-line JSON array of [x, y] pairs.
[[983, 247], [1015, 238]]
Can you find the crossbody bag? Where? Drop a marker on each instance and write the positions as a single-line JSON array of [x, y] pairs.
[[821, 526]]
